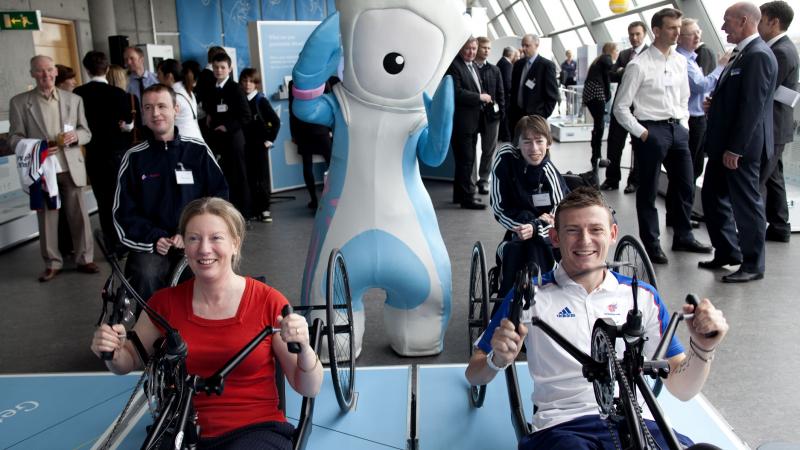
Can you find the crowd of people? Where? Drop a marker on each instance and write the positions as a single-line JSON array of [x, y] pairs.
[[165, 150]]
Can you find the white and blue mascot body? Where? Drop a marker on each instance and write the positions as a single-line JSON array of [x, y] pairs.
[[374, 206]]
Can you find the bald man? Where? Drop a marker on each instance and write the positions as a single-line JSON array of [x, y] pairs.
[[739, 139], [57, 116]]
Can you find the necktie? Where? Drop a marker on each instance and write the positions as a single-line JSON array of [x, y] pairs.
[[727, 69], [522, 80], [140, 80], [475, 78]]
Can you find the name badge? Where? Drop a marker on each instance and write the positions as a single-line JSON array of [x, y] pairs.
[[530, 84], [541, 200], [496, 108], [184, 176], [668, 80], [222, 107], [736, 71]]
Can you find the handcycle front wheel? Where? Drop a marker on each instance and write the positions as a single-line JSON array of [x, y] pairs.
[[629, 249], [478, 313], [181, 272], [339, 330]]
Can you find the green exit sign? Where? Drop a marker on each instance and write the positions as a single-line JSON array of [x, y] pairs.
[[20, 20]]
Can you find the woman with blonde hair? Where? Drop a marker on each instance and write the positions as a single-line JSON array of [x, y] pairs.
[[117, 76], [218, 313]]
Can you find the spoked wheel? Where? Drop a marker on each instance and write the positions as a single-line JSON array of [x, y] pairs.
[[631, 250], [339, 329], [478, 311], [603, 383], [181, 273]]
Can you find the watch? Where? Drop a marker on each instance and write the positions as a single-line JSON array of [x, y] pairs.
[[491, 364]]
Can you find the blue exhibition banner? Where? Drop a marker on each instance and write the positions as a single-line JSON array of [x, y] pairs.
[[275, 47], [236, 14], [310, 9], [201, 27], [277, 9]]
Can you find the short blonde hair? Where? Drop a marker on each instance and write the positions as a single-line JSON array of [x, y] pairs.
[[224, 210], [117, 76]]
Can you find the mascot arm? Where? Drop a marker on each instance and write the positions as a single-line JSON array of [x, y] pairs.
[[318, 61], [435, 139]]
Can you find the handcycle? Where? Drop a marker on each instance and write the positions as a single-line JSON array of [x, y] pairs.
[[604, 369], [169, 388], [484, 288]]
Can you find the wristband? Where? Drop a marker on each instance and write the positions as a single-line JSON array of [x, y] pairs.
[[491, 364], [307, 94], [697, 349]]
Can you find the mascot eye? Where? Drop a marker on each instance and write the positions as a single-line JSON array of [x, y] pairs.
[[394, 63]]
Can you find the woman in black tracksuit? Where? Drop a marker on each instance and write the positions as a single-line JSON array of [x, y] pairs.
[[526, 188], [596, 93]]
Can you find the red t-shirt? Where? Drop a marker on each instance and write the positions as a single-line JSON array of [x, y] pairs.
[[250, 395]]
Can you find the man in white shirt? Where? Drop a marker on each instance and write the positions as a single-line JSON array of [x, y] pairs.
[[571, 298], [656, 85]]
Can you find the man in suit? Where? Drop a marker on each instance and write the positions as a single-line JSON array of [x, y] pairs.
[[738, 138], [57, 116], [106, 108], [469, 98], [657, 87], [491, 113], [534, 86], [505, 64], [776, 17], [139, 78], [616, 133], [228, 113]]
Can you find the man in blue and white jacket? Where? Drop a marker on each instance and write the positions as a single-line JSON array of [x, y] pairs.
[[572, 297], [157, 178]]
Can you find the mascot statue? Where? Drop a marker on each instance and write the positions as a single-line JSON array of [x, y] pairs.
[[374, 206]]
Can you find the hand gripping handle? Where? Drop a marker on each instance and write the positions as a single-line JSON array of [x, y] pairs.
[[692, 300], [294, 347]]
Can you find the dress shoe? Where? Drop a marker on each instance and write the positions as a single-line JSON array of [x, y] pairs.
[[609, 186], [630, 189], [48, 275], [740, 276], [483, 188], [657, 256], [473, 204], [719, 262], [88, 268], [690, 245], [777, 236], [603, 162]]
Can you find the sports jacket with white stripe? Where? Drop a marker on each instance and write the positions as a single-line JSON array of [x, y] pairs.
[[148, 201], [514, 182]]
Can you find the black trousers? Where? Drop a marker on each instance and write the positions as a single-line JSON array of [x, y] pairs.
[[773, 191], [616, 143], [308, 174], [149, 272], [516, 254], [103, 175], [231, 147], [667, 144], [464, 155], [260, 185], [597, 108], [697, 135], [732, 202]]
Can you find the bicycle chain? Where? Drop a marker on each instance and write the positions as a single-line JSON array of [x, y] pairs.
[[127, 405], [612, 355]]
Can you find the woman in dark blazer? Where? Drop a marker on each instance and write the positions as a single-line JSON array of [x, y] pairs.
[[596, 93]]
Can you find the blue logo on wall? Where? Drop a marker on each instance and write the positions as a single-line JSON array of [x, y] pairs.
[[566, 312]]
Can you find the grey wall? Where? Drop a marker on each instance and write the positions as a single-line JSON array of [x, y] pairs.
[[132, 16]]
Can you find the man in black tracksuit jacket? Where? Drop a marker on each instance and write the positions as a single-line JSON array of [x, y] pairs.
[[157, 178]]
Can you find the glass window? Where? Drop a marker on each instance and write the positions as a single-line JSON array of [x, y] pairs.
[[536, 27], [586, 36], [569, 41], [492, 34], [618, 28], [504, 27], [524, 18], [716, 11], [557, 15], [494, 8], [574, 14]]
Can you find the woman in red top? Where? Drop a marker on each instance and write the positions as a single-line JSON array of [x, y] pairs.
[[217, 313]]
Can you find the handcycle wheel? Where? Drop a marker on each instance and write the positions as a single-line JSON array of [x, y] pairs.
[[339, 329], [180, 273], [631, 250], [478, 311]]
